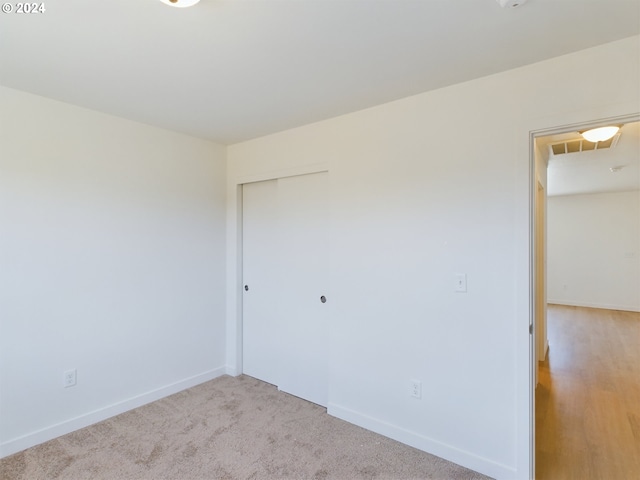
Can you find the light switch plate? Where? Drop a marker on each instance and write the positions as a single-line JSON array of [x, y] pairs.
[[461, 283]]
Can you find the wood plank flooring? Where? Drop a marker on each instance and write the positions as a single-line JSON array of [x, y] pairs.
[[588, 396]]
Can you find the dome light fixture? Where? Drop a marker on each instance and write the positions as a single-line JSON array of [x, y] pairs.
[[600, 134], [180, 3], [511, 3]]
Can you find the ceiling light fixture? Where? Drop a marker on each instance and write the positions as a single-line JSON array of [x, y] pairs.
[[510, 3], [180, 3], [600, 134]]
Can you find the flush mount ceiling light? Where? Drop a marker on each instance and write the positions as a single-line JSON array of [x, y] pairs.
[[180, 3], [600, 134], [510, 3]]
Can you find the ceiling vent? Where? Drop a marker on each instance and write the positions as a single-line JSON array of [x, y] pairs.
[[581, 145]]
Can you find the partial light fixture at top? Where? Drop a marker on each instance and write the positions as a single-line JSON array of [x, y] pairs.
[[600, 134], [180, 3], [510, 3]]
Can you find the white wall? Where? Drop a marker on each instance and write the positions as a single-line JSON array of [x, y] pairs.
[[111, 262], [594, 250], [421, 189]]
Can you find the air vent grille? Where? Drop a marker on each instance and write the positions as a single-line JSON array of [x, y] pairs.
[[581, 145]]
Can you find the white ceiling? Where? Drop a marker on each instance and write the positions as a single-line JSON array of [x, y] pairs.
[[231, 70], [590, 172]]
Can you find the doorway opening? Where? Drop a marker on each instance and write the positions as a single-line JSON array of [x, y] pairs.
[[578, 195]]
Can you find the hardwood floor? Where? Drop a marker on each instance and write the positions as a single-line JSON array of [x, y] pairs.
[[588, 396]]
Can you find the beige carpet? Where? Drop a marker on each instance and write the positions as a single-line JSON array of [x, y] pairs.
[[228, 428]]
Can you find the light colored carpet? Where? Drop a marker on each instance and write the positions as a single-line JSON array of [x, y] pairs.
[[228, 428]]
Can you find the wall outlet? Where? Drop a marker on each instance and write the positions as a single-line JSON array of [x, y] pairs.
[[415, 388], [69, 378], [461, 283]]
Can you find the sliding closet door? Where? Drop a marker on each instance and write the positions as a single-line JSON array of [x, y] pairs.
[[260, 291], [285, 256], [303, 207]]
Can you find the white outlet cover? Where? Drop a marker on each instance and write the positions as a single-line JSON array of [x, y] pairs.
[[69, 378], [415, 388]]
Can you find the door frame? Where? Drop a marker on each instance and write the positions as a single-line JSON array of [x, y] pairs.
[[540, 273], [583, 121], [234, 339]]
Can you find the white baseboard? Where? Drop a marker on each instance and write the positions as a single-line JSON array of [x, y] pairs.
[[606, 306], [21, 443], [413, 439]]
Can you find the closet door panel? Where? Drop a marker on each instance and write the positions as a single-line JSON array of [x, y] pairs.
[[260, 335], [303, 217]]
